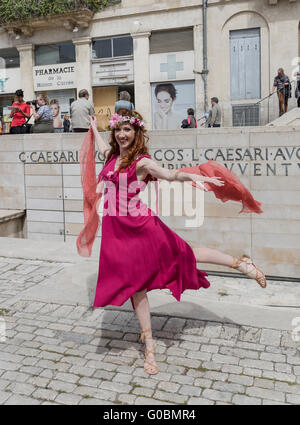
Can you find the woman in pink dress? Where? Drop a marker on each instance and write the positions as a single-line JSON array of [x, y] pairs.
[[138, 251]]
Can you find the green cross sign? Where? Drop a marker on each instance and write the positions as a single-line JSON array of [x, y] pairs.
[[171, 67]]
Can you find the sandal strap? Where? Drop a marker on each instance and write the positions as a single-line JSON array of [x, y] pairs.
[[261, 280], [142, 337], [151, 364], [236, 262]]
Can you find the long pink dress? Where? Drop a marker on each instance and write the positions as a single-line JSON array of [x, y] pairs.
[[140, 252]]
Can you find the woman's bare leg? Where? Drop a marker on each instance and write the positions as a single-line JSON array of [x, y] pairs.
[[142, 309], [213, 256]]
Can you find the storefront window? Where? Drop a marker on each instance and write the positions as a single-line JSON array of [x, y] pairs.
[[11, 57], [50, 54], [112, 47], [172, 41]]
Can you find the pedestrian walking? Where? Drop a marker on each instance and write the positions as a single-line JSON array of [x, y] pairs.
[[283, 86], [215, 114]]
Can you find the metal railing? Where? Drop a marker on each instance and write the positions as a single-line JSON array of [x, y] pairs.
[[269, 105], [258, 113]]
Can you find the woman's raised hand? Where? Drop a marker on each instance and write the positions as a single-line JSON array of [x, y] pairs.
[[215, 180], [93, 122], [200, 181]]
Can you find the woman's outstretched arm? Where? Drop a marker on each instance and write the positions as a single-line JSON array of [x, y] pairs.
[[151, 167], [103, 148]]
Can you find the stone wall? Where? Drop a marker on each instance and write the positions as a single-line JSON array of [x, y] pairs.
[[40, 173]]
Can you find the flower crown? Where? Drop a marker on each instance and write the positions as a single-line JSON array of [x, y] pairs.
[[116, 120]]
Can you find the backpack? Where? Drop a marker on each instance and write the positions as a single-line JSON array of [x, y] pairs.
[[186, 123]]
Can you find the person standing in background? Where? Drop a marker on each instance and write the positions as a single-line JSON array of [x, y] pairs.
[[282, 84], [190, 121], [81, 111], [43, 115], [215, 114], [20, 114], [297, 91], [124, 102], [66, 123]]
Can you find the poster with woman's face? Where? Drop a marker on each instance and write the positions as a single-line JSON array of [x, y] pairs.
[[170, 102], [60, 105]]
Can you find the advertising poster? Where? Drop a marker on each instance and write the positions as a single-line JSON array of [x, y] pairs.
[[170, 101]]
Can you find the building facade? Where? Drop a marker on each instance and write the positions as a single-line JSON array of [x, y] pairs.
[[158, 52]]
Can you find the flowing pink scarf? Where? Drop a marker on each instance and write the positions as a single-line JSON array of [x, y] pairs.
[[233, 190], [91, 199]]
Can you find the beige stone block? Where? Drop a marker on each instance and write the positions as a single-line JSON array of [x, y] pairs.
[[284, 212], [43, 169], [73, 193], [73, 228], [173, 139], [12, 180], [17, 169], [281, 255], [215, 208], [218, 138], [276, 240], [44, 204], [42, 142], [42, 227], [11, 199], [71, 205], [71, 169], [8, 145], [275, 137], [46, 216], [48, 236], [72, 181], [43, 192], [228, 224], [229, 238], [10, 157], [74, 217], [288, 227], [277, 197], [275, 183], [71, 239], [49, 181], [72, 141]]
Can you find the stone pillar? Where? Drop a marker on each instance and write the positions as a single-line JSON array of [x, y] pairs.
[[83, 64], [142, 89], [26, 68], [198, 66]]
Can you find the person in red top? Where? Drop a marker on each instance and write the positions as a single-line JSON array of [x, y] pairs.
[[20, 114]]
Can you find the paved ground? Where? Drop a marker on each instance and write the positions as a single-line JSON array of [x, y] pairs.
[[73, 354]]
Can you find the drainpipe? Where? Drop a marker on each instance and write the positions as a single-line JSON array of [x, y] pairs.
[[205, 70]]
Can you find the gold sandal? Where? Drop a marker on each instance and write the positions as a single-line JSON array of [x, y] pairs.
[[261, 280], [147, 353]]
